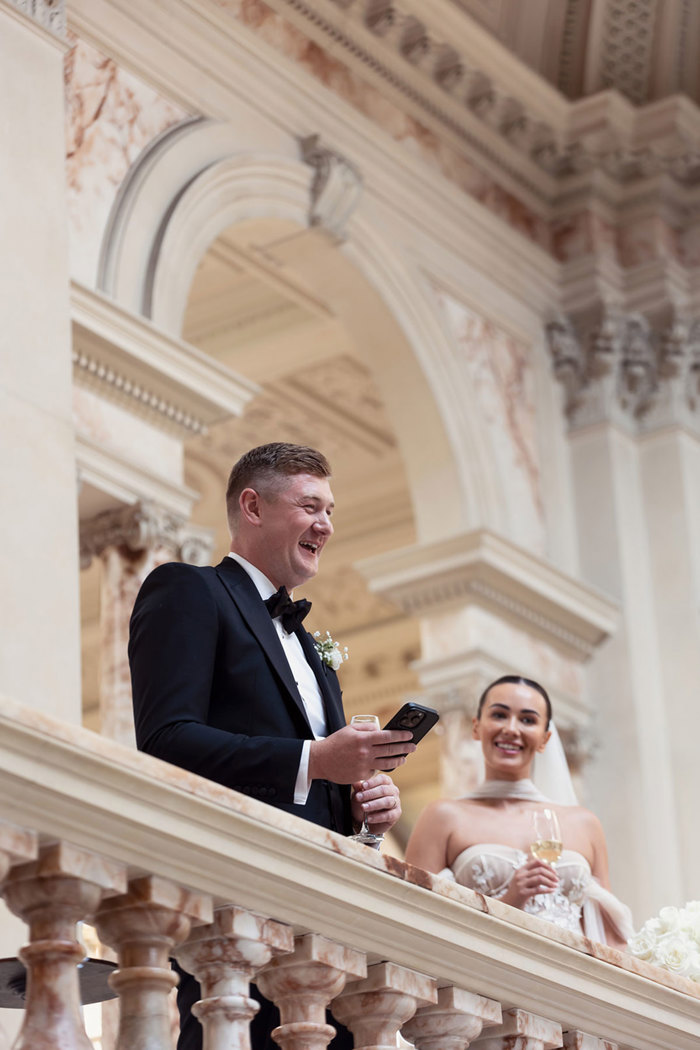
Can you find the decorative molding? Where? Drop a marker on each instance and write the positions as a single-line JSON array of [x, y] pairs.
[[141, 527], [469, 85], [617, 367], [129, 360], [51, 14], [123, 481], [336, 187], [482, 569]]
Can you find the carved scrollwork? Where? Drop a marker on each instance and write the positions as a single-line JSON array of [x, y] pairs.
[[49, 13], [621, 367], [336, 186], [143, 526]]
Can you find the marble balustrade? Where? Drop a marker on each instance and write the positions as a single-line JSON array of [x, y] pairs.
[[164, 863]]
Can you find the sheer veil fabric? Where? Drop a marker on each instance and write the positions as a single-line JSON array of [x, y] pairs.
[[551, 782]]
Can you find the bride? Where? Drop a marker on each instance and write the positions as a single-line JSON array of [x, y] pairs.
[[484, 839]]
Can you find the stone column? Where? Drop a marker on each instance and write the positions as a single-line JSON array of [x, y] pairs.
[[37, 461], [376, 1008], [52, 894], [453, 1022], [521, 1031], [131, 542], [631, 397], [303, 984], [225, 957], [143, 925]]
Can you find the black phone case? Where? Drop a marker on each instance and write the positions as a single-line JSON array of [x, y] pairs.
[[423, 727]]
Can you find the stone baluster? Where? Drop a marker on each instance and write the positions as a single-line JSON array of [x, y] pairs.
[[376, 1008], [302, 986], [224, 957], [51, 894], [520, 1030], [143, 925], [576, 1040], [16, 845], [453, 1022]]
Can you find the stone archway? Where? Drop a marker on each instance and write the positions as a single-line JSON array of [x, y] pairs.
[[192, 185]]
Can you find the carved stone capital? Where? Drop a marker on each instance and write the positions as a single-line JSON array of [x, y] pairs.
[[618, 367], [49, 13], [141, 527], [336, 187]]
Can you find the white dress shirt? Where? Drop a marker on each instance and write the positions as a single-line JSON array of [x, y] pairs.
[[303, 676]]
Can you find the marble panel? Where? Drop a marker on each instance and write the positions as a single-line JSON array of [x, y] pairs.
[[646, 239], [111, 116], [499, 370]]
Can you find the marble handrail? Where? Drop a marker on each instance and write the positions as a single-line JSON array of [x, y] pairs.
[[198, 845]]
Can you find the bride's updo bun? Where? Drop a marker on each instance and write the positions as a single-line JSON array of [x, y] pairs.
[[516, 679]]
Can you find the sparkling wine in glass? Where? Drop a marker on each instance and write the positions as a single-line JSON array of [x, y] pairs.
[[546, 843], [365, 835]]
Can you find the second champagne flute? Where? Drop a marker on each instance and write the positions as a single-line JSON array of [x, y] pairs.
[[546, 844], [365, 835]]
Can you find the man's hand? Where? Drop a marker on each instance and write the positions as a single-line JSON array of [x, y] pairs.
[[354, 753], [378, 800]]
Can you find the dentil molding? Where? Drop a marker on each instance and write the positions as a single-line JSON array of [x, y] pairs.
[[483, 569], [128, 359]]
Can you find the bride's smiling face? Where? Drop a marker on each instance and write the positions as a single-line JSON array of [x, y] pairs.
[[512, 728]]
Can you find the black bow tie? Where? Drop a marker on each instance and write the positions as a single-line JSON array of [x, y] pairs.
[[291, 613]]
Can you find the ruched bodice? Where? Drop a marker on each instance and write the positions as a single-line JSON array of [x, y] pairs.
[[489, 867]]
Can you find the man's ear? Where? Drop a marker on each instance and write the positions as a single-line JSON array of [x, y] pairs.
[[251, 507]]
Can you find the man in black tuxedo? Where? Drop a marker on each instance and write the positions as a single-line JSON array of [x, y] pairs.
[[226, 682]]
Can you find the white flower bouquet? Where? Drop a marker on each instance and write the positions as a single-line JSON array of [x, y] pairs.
[[329, 651], [671, 941]]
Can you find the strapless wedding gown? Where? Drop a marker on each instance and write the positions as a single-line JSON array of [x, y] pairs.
[[577, 904]]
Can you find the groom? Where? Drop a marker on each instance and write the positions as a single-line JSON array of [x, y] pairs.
[[226, 682]]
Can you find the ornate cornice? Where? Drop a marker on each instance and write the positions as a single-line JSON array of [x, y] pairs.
[[144, 526], [128, 360], [485, 570], [465, 83], [620, 368]]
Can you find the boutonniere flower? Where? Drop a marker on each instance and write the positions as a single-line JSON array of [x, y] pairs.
[[329, 651]]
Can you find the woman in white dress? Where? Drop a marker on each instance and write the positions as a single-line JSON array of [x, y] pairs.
[[483, 840]]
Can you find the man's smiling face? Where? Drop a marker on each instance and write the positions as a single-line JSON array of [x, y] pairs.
[[293, 527]]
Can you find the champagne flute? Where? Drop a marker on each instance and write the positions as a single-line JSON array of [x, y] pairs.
[[546, 844], [365, 835]]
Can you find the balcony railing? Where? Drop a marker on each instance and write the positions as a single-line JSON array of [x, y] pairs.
[[164, 862]]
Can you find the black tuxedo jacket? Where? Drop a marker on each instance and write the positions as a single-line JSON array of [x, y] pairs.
[[214, 693]]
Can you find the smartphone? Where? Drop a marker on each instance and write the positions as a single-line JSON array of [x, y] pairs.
[[415, 717]]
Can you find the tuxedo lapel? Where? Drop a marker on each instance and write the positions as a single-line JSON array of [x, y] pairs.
[[327, 682], [252, 608]]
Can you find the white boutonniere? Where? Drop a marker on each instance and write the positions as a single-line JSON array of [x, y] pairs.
[[329, 651]]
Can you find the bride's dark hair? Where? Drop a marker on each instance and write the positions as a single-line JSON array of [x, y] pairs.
[[516, 679]]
